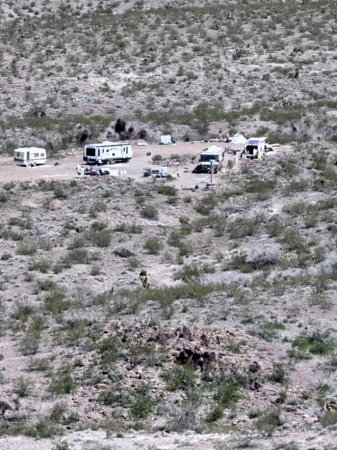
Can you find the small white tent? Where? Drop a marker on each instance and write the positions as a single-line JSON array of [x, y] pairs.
[[237, 143], [166, 139]]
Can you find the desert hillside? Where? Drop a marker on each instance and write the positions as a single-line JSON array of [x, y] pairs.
[[261, 67]]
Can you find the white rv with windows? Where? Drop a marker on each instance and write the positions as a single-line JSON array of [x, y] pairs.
[[30, 156], [107, 152]]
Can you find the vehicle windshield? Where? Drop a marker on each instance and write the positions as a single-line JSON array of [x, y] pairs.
[[204, 158], [250, 148]]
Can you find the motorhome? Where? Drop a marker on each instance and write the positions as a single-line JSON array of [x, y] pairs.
[[210, 159], [107, 152], [255, 148], [30, 156]]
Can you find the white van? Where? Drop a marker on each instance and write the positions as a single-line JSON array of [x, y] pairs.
[[30, 156]]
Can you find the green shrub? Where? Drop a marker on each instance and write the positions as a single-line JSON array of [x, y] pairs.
[[111, 349], [269, 420], [56, 302], [316, 343], [149, 212], [328, 418], [20, 222], [39, 364], [153, 245], [293, 241], [62, 382], [22, 387], [179, 378], [241, 227], [30, 341], [129, 229], [167, 190], [188, 272], [27, 248], [206, 204], [279, 374], [258, 186], [76, 256], [44, 428], [123, 252], [96, 207], [40, 265], [157, 158], [141, 402], [100, 238]]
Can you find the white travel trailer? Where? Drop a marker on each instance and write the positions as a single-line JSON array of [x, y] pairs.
[[155, 171], [30, 156], [107, 152]]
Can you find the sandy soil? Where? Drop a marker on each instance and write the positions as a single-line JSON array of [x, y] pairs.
[[65, 168]]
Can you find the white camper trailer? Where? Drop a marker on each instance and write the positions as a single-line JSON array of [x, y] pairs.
[[30, 156], [155, 171], [210, 159], [107, 152]]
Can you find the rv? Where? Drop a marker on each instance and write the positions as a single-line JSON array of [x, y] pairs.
[[107, 152], [255, 148], [210, 160], [30, 156]]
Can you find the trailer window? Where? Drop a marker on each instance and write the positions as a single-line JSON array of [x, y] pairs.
[[91, 151]]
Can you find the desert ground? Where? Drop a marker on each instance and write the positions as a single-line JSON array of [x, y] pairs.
[[145, 313], [167, 313]]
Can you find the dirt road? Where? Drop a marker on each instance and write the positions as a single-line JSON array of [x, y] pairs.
[[65, 168]]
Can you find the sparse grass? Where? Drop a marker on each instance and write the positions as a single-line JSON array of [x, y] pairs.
[[316, 343]]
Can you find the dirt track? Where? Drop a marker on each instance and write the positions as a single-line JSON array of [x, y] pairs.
[[65, 168]]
